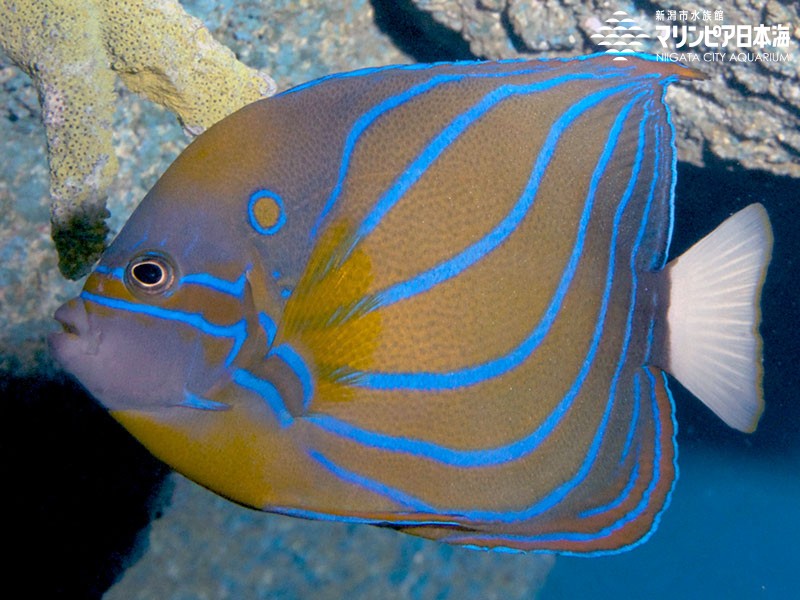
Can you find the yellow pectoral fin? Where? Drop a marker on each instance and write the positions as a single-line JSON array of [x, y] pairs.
[[330, 318]]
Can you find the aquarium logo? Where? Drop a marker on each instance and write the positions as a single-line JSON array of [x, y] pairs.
[[620, 35], [700, 35]]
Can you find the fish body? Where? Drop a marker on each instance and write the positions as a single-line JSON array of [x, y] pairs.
[[432, 297]]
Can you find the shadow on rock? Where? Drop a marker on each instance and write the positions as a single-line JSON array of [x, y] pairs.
[[79, 492]]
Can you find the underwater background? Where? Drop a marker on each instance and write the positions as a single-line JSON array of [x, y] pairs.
[[89, 513]]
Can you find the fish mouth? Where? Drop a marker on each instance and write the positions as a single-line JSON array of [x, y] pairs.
[[68, 328], [72, 317], [75, 331]]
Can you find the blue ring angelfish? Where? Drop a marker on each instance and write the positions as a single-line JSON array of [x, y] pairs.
[[460, 334]]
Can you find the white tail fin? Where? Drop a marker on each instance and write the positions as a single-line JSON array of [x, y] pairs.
[[714, 313]]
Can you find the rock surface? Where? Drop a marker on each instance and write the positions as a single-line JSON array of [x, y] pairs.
[[206, 548], [749, 109]]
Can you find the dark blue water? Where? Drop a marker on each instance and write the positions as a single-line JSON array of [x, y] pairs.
[[733, 526]]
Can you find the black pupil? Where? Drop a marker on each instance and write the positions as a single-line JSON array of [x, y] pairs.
[[148, 273]]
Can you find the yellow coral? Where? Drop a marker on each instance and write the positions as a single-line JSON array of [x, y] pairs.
[[72, 49]]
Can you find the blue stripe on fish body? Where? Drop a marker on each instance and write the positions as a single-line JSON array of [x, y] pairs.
[[389, 443], [642, 504], [232, 288], [619, 500], [364, 122], [296, 363], [475, 374], [448, 134], [237, 332], [412, 296], [406, 501], [461, 123], [543, 505], [500, 455], [645, 500], [471, 255], [200, 403], [267, 392], [269, 327]]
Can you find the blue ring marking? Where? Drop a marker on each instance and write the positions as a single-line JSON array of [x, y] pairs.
[[406, 500], [269, 327], [298, 365], [237, 332], [478, 250], [255, 197], [472, 375], [514, 450], [268, 392], [191, 400]]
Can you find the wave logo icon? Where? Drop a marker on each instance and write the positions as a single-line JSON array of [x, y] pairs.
[[621, 34]]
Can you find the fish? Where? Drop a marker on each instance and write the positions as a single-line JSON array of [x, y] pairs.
[[431, 297]]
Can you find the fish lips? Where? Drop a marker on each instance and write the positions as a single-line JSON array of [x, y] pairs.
[[77, 349], [76, 337]]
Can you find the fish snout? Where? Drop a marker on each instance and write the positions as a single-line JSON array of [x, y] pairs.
[[75, 330], [72, 317]]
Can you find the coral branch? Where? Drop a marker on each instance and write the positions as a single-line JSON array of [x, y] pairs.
[[72, 49]]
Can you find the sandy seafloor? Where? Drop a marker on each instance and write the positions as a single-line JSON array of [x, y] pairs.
[[79, 495]]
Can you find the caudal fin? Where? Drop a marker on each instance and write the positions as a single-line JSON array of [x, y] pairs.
[[713, 317]]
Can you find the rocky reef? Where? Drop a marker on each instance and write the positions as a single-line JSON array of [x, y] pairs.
[[749, 109]]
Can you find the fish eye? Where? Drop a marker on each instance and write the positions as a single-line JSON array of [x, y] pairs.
[[150, 273]]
